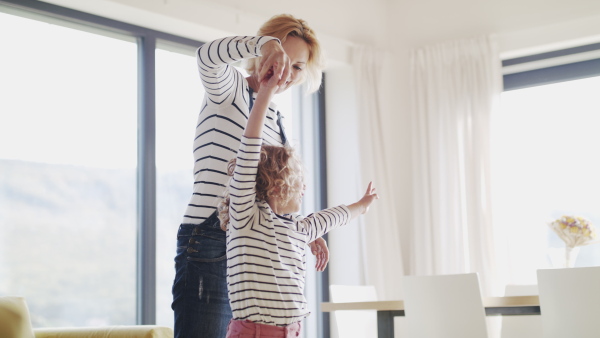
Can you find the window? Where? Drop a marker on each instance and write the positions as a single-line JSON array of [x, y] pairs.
[[179, 96], [68, 162], [545, 159]]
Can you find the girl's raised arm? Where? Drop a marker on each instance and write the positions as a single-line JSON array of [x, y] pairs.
[[256, 121]]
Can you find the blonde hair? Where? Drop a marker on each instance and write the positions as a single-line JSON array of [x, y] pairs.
[[278, 169], [284, 25]]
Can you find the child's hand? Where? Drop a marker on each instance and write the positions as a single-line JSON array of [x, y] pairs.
[[269, 84], [319, 248], [368, 198], [362, 206], [256, 120]]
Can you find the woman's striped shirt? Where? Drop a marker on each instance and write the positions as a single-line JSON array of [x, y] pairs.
[[266, 252], [222, 119]]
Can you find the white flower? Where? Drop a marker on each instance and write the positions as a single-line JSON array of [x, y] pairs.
[[574, 231]]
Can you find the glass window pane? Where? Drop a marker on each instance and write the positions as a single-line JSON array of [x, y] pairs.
[[67, 162], [179, 95], [545, 164]]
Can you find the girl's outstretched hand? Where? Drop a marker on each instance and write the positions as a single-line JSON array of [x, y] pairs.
[[362, 206], [368, 198]]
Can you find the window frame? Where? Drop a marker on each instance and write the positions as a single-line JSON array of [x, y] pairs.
[[570, 64]]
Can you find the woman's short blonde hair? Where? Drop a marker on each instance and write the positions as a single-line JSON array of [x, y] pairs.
[[284, 25], [278, 169]]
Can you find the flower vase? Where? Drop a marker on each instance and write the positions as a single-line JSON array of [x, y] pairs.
[[571, 253]]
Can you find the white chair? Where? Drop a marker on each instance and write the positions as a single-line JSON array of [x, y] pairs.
[[529, 326], [354, 323], [444, 306], [570, 302]]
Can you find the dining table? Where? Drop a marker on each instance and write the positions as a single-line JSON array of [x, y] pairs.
[[388, 309]]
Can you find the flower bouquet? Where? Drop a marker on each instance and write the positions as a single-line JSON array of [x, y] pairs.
[[574, 231]]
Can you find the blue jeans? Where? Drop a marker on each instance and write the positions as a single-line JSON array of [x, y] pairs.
[[200, 299]]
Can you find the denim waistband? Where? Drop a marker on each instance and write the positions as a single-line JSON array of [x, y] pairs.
[[212, 222]]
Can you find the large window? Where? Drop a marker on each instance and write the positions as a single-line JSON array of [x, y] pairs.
[[545, 163], [68, 172]]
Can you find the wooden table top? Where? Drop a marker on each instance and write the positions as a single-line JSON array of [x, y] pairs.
[[395, 305]]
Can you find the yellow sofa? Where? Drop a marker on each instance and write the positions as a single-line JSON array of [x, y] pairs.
[[15, 323]]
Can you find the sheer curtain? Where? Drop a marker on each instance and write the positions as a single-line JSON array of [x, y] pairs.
[[382, 256], [455, 86]]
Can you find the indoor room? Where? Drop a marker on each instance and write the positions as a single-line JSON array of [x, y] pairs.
[[476, 121]]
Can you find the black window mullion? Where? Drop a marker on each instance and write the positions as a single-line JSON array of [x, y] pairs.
[[553, 74], [543, 76], [323, 321], [146, 187]]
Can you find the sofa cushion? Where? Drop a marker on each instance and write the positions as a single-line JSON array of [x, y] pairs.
[[14, 318], [117, 331]]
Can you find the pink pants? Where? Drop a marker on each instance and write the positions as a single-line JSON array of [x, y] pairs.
[[248, 329]]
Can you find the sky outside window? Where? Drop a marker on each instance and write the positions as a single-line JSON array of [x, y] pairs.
[[68, 155], [545, 164]]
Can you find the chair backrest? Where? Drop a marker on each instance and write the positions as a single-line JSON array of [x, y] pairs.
[[444, 306], [529, 326], [354, 323], [570, 302]]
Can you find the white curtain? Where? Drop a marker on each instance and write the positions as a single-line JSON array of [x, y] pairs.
[[455, 86], [382, 256]]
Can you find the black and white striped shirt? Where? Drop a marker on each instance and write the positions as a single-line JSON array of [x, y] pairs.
[[266, 252], [222, 119]]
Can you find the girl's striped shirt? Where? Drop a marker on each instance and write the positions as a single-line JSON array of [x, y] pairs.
[[266, 252], [222, 119]]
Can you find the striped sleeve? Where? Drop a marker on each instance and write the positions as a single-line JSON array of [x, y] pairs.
[[318, 224], [215, 58], [242, 186]]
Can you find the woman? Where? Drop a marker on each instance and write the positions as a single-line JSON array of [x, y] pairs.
[[287, 48]]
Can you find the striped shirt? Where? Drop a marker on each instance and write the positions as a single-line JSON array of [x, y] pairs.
[[266, 252], [222, 119]]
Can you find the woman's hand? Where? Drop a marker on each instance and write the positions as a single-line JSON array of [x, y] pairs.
[[274, 62], [319, 248]]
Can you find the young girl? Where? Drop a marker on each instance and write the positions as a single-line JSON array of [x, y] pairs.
[[265, 243]]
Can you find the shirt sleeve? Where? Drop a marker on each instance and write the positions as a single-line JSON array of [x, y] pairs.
[[215, 58], [319, 223], [242, 187]]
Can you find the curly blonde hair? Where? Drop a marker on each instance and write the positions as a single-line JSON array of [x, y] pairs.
[[284, 25], [278, 169]]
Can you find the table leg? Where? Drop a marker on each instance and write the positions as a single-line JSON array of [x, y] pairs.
[[385, 323]]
